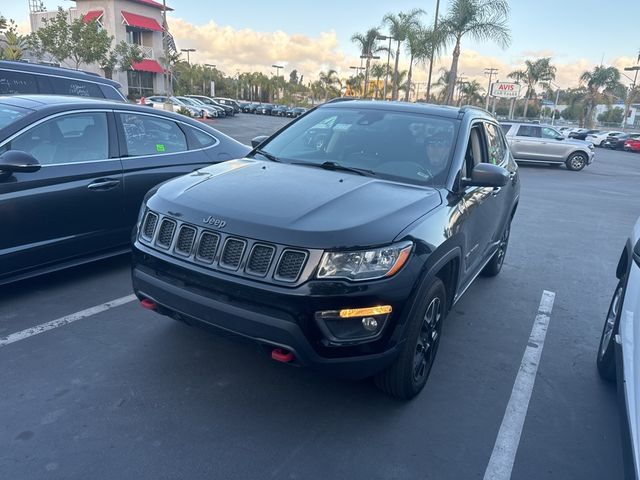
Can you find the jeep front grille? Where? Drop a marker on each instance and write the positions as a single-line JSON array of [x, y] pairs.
[[260, 259], [233, 255], [149, 226], [207, 247], [185, 240], [290, 265], [165, 235]]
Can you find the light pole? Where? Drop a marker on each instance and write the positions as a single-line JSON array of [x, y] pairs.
[[489, 72], [211, 92], [386, 73], [357, 69], [277, 67], [189, 50], [631, 92], [435, 29]]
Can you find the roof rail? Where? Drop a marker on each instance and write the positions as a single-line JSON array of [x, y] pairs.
[[342, 99]]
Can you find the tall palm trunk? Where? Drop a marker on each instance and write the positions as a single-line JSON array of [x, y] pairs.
[[453, 73], [394, 92], [406, 93], [526, 102], [366, 76]]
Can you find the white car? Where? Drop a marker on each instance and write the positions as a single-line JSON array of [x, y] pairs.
[[158, 101], [598, 138], [618, 355]]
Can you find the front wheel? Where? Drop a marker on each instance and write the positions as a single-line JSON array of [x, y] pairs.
[[606, 360], [407, 376], [576, 161]]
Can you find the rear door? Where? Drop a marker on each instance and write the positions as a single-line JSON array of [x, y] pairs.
[[156, 149], [73, 205], [527, 142]]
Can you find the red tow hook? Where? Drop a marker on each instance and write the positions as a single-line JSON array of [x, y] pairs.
[[280, 355], [148, 304]]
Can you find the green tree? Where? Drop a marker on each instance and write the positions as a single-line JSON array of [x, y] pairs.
[[600, 83], [122, 57], [481, 19], [400, 25], [534, 73], [330, 84], [423, 43], [471, 93], [368, 44], [76, 41], [612, 115], [293, 77], [15, 43], [378, 71]]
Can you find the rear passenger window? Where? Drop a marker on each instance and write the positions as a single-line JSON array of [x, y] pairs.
[[78, 88], [151, 135], [497, 149], [505, 128], [72, 138], [204, 139], [12, 83], [529, 131], [111, 93]]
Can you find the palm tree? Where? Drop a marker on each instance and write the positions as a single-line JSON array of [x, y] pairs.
[[331, 84], [470, 93], [443, 82], [399, 27], [378, 71], [482, 20], [423, 43], [367, 42], [534, 73], [600, 83]]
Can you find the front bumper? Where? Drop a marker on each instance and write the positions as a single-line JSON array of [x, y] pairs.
[[275, 316]]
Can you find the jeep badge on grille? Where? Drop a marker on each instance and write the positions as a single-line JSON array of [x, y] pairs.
[[214, 222]]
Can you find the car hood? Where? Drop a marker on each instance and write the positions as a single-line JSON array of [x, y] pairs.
[[295, 205], [575, 141]]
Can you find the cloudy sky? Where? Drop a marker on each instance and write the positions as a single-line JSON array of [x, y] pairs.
[[309, 36]]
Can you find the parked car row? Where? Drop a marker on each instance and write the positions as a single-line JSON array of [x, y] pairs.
[[271, 109], [198, 106]]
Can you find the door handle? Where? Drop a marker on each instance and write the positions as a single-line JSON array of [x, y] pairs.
[[496, 191], [103, 184]]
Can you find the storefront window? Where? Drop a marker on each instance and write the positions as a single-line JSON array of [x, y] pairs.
[[140, 84]]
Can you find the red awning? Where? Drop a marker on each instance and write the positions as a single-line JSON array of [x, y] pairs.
[[92, 15], [139, 21], [147, 65]]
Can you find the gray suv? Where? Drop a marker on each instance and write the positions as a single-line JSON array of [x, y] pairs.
[[544, 144]]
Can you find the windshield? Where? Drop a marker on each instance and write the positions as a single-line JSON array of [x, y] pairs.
[[408, 147], [9, 114], [189, 101]]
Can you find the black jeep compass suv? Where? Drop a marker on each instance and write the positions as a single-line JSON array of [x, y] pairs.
[[341, 242]]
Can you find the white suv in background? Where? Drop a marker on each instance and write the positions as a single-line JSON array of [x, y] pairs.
[[598, 138]]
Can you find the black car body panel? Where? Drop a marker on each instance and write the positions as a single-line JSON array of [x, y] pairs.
[[252, 203], [86, 209]]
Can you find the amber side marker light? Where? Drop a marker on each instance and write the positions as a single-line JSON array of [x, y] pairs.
[[402, 259], [365, 312]]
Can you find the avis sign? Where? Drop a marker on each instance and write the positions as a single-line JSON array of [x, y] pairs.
[[505, 90]]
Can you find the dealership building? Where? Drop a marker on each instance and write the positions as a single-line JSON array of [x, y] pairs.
[[139, 22]]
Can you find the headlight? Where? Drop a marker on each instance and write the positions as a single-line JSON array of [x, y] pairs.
[[365, 264], [591, 146]]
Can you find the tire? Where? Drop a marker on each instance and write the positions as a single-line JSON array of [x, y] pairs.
[[601, 144], [576, 161], [494, 266], [606, 360], [407, 376]]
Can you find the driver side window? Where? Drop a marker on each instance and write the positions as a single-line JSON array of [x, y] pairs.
[[150, 135], [476, 151]]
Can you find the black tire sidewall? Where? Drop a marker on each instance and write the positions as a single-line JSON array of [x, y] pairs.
[[606, 361], [568, 163]]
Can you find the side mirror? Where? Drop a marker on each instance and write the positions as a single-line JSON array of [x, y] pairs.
[[486, 175], [559, 138], [18, 161], [258, 140]]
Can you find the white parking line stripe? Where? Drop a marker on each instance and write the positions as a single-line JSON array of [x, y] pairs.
[[29, 332], [506, 446]]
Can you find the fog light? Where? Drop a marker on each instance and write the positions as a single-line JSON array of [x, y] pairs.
[[370, 324]]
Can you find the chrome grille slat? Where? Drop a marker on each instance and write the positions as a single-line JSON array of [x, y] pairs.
[[207, 247], [260, 259], [290, 265], [165, 234], [149, 227], [184, 244], [232, 253]]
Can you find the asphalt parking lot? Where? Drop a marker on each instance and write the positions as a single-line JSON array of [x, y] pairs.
[[125, 393]]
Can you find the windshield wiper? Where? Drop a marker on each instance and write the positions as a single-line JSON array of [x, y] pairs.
[[267, 155], [337, 166]]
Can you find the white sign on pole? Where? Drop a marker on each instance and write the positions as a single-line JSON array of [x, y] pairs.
[[505, 90], [213, 88]]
